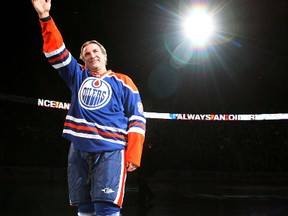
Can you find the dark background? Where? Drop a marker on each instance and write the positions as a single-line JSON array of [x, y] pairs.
[[247, 78]]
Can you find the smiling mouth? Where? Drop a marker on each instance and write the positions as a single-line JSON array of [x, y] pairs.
[[93, 61]]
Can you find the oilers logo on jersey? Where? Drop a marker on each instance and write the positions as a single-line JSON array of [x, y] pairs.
[[94, 93]]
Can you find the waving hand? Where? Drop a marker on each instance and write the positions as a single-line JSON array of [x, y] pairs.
[[42, 7]]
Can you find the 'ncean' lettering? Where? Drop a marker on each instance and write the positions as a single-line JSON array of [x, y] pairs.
[[53, 104]]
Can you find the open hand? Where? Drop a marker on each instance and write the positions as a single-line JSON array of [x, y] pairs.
[[42, 7]]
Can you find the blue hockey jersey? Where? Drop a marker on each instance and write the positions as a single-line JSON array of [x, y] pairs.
[[106, 112]]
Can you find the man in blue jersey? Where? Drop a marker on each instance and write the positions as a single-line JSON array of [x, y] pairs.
[[105, 123]]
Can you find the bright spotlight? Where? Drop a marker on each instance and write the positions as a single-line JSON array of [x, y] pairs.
[[198, 26], [198, 30]]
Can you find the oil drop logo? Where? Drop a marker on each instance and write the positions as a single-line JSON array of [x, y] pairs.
[[94, 93]]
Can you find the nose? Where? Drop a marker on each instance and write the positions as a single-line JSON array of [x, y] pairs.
[[93, 55]]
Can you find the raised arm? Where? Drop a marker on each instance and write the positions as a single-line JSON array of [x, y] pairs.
[[42, 7]]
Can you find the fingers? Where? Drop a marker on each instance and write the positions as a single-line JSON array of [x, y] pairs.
[[130, 167]]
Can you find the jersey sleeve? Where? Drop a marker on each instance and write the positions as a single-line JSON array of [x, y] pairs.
[[136, 121], [52, 38], [56, 52]]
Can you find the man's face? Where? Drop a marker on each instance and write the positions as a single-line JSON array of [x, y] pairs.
[[93, 57]]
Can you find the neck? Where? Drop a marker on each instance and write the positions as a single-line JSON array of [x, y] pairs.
[[97, 72]]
